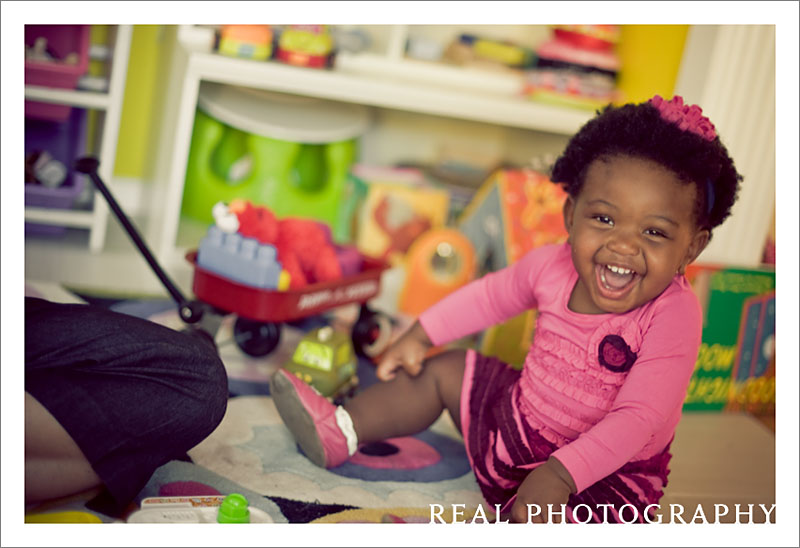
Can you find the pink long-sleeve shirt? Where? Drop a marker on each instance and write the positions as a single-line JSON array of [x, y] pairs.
[[598, 419]]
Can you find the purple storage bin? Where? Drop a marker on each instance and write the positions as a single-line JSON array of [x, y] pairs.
[[61, 41], [65, 142]]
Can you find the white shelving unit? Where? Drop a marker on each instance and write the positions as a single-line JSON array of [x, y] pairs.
[[364, 79], [110, 103], [386, 80]]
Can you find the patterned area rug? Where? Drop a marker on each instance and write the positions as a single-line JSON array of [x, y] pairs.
[[252, 452]]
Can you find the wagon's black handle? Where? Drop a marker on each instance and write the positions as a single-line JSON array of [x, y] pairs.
[[190, 311]]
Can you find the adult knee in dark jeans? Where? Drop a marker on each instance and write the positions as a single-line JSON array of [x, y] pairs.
[[202, 413], [187, 385], [131, 393]]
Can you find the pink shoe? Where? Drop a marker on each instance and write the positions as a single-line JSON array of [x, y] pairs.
[[309, 416]]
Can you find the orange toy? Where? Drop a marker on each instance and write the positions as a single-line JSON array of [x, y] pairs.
[[438, 262]]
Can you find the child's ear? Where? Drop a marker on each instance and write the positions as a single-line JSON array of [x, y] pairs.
[[696, 247], [569, 212]]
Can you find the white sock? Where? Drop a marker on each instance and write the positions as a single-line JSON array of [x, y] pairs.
[[345, 424]]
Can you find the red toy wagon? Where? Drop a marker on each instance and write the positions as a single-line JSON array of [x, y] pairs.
[[261, 311]]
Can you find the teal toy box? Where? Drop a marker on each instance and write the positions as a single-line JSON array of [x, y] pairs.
[[292, 154]]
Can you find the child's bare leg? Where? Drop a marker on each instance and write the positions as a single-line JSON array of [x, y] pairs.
[[54, 464], [407, 405]]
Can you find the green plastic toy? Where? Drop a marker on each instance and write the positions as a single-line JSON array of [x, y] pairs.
[[292, 179], [325, 359], [234, 509]]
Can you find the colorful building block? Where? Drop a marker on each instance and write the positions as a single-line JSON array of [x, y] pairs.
[[241, 259]]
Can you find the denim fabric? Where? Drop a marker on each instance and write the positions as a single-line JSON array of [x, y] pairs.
[[132, 394]]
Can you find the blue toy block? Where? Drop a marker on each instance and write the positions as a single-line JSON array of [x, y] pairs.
[[240, 259]]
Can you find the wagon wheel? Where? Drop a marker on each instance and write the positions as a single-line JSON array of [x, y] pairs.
[[256, 338], [372, 333]]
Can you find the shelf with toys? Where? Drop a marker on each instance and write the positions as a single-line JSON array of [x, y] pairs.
[[59, 93], [381, 80], [393, 81]]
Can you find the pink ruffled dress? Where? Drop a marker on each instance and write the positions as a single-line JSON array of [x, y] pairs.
[[602, 393]]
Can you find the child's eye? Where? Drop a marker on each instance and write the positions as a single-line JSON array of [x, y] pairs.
[[605, 219], [655, 232]]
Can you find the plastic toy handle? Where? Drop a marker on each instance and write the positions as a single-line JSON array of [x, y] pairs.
[[189, 312]]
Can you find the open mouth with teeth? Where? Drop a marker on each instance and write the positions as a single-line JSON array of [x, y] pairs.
[[614, 282]]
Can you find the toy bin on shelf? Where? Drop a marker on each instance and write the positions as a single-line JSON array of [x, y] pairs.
[[291, 154], [64, 142], [61, 58]]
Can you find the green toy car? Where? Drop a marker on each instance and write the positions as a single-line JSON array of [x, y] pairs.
[[325, 359]]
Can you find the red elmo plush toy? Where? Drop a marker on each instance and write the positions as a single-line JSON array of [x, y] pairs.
[[304, 246]]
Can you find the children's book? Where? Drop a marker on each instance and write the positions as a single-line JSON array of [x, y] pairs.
[[735, 369], [394, 214]]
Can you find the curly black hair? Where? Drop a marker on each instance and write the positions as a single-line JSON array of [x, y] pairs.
[[638, 130]]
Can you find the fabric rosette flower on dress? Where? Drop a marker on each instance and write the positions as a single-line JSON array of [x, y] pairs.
[[615, 354], [615, 345]]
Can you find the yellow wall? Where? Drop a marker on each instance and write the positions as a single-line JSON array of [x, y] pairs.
[[650, 56], [137, 107], [98, 34]]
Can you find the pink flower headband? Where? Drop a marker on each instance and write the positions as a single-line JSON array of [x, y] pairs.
[[686, 117]]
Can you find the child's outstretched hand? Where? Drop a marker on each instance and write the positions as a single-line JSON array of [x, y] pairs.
[[549, 483], [407, 352]]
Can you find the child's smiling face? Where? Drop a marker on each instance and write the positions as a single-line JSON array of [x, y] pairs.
[[631, 229]]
